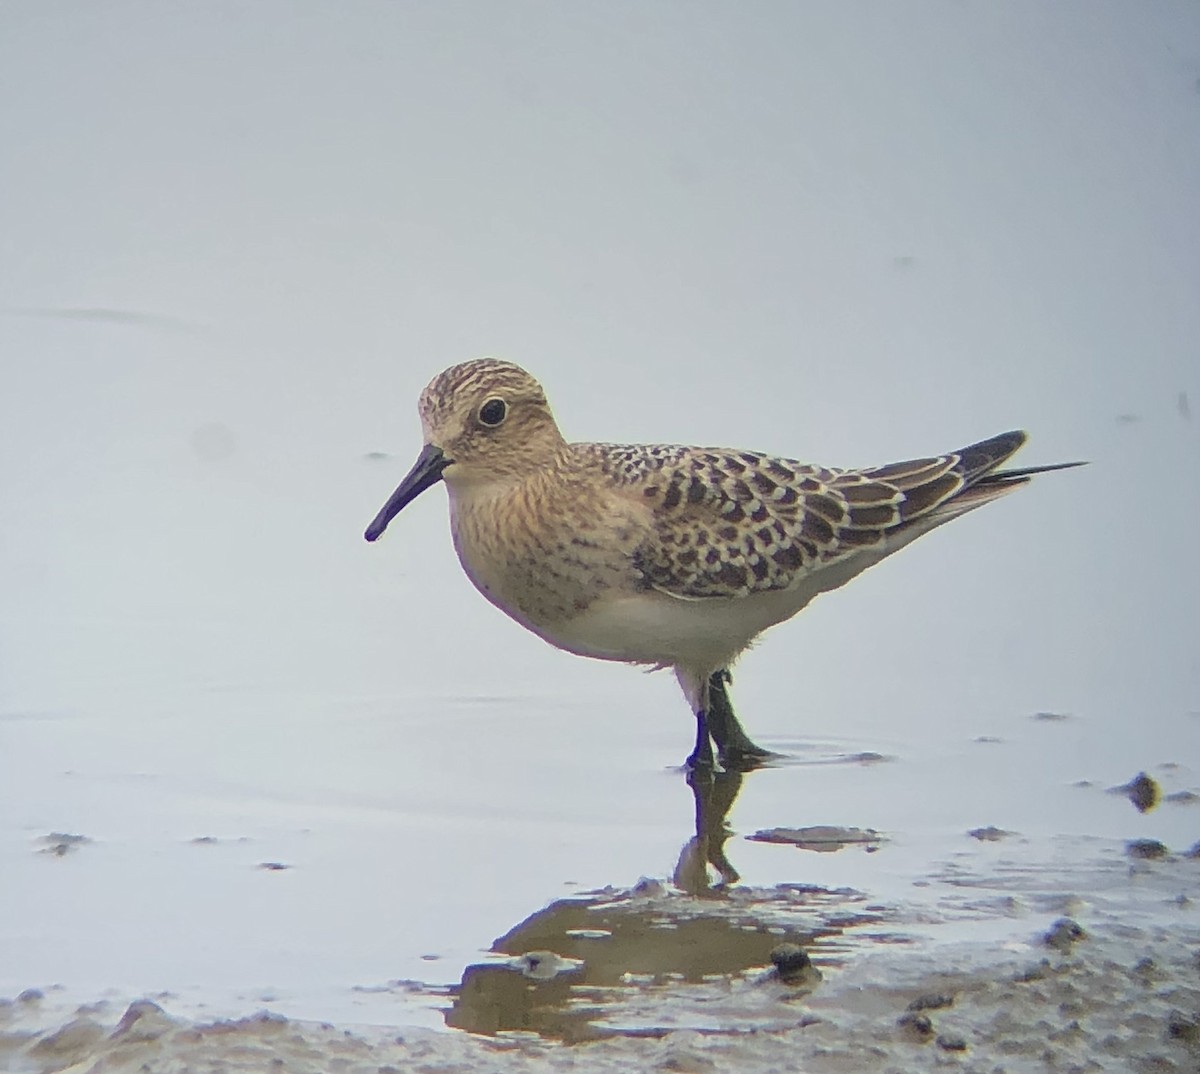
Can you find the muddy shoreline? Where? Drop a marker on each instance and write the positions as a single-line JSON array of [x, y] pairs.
[[1116, 987]]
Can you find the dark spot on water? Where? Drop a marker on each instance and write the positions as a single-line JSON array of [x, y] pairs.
[[990, 834], [1146, 849], [819, 837], [61, 844], [1142, 791]]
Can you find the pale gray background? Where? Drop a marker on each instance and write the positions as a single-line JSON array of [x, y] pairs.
[[236, 239]]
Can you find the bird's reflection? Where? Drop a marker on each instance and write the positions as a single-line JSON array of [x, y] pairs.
[[714, 793], [602, 963]]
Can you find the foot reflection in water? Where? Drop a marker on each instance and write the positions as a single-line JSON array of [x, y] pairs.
[[715, 793], [639, 961]]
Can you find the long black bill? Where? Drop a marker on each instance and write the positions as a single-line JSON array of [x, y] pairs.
[[426, 471]]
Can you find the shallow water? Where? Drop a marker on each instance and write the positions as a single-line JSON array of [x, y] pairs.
[[242, 851]]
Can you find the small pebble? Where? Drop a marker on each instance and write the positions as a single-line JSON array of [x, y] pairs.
[[950, 1042], [1035, 973], [543, 965], [71, 1041], [916, 1027], [1063, 933], [931, 1001], [793, 965], [143, 1020], [1148, 849], [1181, 1027], [1145, 971]]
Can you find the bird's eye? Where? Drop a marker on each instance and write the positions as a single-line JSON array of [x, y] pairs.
[[493, 412]]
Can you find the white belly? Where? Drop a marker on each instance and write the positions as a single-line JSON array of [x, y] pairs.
[[654, 628]]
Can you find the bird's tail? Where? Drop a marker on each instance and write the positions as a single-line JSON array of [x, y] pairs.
[[982, 481]]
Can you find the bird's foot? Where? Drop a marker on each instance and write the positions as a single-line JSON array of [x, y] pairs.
[[735, 748], [746, 758]]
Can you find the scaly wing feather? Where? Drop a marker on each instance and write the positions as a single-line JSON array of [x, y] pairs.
[[733, 523]]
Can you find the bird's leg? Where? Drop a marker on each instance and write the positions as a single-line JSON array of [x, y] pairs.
[[702, 755], [695, 686], [733, 744], [714, 792]]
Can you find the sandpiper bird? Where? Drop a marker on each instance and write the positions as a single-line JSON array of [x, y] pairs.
[[673, 557]]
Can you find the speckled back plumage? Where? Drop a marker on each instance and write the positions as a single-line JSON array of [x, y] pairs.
[[730, 523]]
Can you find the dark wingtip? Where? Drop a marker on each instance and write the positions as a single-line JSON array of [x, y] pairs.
[[976, 460], [979, 462]]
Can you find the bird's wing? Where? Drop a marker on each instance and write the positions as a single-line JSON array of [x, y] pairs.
[[729, 523]]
